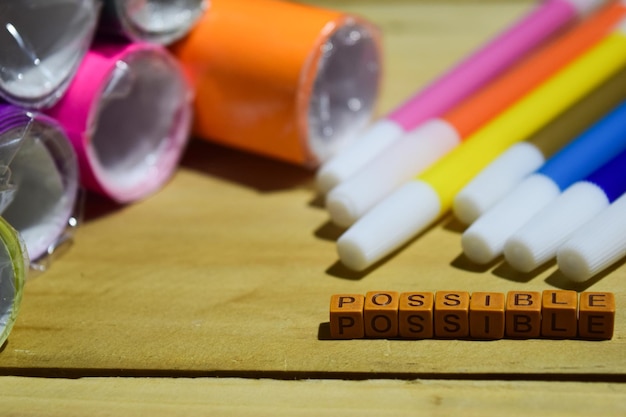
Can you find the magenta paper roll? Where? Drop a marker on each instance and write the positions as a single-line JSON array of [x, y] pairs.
[[128, 115]]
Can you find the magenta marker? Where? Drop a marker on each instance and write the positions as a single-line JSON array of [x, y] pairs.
[[454, 86], [128, 115]]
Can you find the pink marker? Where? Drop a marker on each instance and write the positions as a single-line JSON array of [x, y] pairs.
[[128, 116], [454, 86]]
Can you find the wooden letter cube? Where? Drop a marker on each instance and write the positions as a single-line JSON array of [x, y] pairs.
[[381, 314], [559, 311], [486, 315], [452, 314], [346, 316], [415, 317], [523, 314], [596, 315]]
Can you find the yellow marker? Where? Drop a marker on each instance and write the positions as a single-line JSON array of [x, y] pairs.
[[414, 206]]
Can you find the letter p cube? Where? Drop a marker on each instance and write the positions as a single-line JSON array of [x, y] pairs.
[[346, 316]]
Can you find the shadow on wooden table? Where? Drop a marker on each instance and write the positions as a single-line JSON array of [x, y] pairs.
[[253, 171]]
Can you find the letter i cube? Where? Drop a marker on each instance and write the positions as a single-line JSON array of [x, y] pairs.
[[346, 316], [487, 315]]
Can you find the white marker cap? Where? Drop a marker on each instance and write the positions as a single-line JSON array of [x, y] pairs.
[[538, 240], [596, 245], [407, 157], [391, 223], [496, 180], [485, 239], [360, 152]]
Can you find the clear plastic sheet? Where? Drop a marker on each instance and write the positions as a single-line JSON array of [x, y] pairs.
[[38, 182], [13, 269], [157, 21], [43, 43]]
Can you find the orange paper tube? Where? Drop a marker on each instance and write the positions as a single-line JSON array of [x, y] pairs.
[[285, 80]]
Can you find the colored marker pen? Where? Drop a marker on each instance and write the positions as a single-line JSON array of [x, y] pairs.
[[458, 83], [38, 181], [43, 43], [537, 241], [157, 21], [484, 240], [14, 259], [418, 149], [524, 158], [128, 115], [281, 79], [595, 246], [412, 207]]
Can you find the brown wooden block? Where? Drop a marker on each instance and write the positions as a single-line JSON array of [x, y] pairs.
[[451, 314], [559, 310], [486, 315], [346, 316], [596, 317], [523, 314], [381, 314], [415, 315]]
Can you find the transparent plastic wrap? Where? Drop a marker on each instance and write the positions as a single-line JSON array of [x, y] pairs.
[[128, 115], [39, 193], [157, 21], [13, 270], [43, 43], [285, 80]]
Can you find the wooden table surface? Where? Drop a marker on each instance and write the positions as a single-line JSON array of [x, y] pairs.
[[211, 297]]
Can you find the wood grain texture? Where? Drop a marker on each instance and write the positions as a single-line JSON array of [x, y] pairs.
[[229, 269], [99, 397]]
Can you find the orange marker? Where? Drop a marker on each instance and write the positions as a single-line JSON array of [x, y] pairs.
[[285, 80], [474, 112]]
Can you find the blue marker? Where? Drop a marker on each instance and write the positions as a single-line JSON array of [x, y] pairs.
[[484, 240], [539, 239]]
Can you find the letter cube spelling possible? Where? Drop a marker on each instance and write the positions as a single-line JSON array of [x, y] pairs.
[[380, 314], [346, 316], [596, 317], [523, 314], [486, 315], [452, 314], [415, 315], [559, 314]]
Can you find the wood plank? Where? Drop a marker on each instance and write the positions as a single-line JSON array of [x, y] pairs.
[[230, 268], [23, 397]]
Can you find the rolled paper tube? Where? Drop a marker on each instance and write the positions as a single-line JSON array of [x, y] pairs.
[[43, 43], [38, 180], [157, 21], [14, 262], [128, 115], [285, 80]]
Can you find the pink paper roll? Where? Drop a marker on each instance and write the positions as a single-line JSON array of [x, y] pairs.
[[128, 115]]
